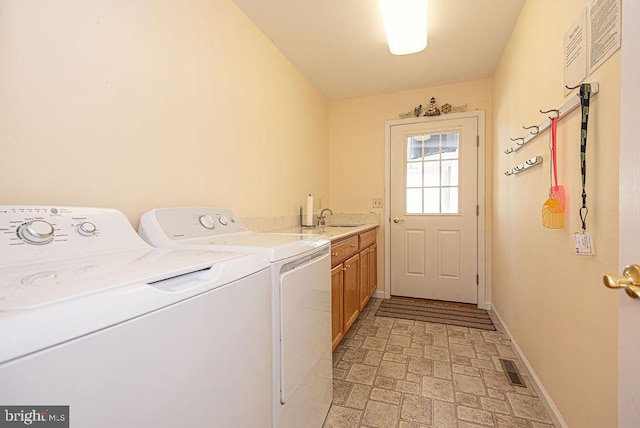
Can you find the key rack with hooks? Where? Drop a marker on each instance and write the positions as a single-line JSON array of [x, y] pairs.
[[536, 160], [569, 106]]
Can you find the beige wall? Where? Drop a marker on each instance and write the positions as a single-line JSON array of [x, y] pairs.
[[553, 301], [150, 103], [357, 144]]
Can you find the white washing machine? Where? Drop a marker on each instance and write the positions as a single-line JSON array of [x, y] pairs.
[[93, 318], [301, 279]]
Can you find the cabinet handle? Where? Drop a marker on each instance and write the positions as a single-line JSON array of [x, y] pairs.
[[353, 245], [335, 254], [343, 269], [348, 267]]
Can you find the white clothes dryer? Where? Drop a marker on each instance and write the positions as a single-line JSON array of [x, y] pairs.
[[301, 281], [93, 318]]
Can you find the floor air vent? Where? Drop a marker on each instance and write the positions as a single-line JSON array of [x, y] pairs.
[[512, 372]]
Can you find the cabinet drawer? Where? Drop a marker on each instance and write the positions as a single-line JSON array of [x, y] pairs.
[[343, 250], [368, 238]]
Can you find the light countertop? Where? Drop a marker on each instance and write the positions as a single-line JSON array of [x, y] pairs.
[[334, 233]]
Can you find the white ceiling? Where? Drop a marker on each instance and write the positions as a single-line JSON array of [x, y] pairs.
[[340, 45]]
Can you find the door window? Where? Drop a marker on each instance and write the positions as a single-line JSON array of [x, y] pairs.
[[432, 173]]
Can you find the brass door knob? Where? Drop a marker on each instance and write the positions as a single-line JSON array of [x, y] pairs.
[[397, 220], [629, 281]]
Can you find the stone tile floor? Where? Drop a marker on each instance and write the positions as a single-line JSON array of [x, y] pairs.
[[390, 372]]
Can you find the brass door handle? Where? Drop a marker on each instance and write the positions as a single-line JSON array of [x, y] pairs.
[[629, 281], [397, 220]]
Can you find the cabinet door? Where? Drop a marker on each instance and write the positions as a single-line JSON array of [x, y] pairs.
[[364, 278], [373, 268], [351, 303], [337, 316]]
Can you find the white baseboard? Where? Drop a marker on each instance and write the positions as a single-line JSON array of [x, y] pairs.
[[553, 411], [378, 294]]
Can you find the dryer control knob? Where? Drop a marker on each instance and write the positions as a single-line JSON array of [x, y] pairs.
[[206, 221], [37, 232], [223, 220], [86, 228]]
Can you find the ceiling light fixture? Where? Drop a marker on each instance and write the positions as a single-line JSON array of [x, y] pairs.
[[405, 23]]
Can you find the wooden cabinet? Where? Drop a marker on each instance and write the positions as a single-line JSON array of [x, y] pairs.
[[337, 318], [368, 273], [353, 280], [373, 268], [368, 238], [365, 290], [351, 295], [344, 249]]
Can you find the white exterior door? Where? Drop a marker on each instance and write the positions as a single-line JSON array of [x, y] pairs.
[[629, 231], [433, 207]]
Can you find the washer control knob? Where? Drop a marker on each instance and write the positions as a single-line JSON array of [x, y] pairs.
[[223, 220], [37, 232], [206, 221], [86, 228]]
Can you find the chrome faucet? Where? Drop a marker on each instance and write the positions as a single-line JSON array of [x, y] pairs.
[[321, 217]]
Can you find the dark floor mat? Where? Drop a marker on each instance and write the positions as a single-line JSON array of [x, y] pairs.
[[442, 313]]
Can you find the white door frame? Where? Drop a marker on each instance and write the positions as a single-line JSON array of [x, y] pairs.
[[483, 260], [629, 230]]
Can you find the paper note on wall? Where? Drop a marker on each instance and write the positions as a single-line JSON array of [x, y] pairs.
[[575, 52], [604, 31]]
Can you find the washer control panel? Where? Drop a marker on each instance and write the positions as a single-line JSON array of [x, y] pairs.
[[37, 233], [187, 222]]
